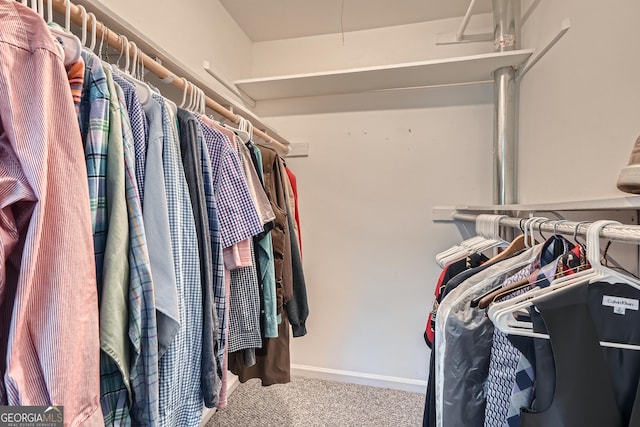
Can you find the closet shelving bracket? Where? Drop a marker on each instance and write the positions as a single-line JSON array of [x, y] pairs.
[[533, 60]]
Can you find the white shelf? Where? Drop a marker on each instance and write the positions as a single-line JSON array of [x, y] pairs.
[[442, 72], [443, 213]]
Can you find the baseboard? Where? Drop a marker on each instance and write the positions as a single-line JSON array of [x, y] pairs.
[[363, 378], [232, 384]]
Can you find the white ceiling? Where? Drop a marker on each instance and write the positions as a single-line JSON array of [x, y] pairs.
[[265, 20]]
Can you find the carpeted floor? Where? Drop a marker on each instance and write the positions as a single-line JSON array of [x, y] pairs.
[[309, 403]]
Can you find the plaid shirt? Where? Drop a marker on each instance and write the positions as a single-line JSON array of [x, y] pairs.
[[139, 129], [181, 402], [142, 314], [94, 126], [115, 390], [239, 218], [244, 323], [216, 251]]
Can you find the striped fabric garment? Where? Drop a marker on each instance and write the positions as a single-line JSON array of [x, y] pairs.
[[48, 300], [75, 72]]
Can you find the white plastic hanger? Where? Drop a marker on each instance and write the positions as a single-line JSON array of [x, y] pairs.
[[71, 45], [502, 314], [191, 97], [244, 136], [464, 245], [93, 30], [142, 89], [83, 33], [488, 226], [184, 92]]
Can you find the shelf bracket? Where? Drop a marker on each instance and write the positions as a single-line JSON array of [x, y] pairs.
[[566, 24], [465, 21]]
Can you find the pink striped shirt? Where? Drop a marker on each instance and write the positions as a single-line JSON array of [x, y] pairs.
[[48, 296]]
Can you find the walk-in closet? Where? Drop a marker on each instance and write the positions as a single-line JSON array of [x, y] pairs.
[[319, 213]]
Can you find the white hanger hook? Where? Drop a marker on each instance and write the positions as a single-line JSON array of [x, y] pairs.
[[135, 58], [67, 15], [527, 237], [127, 59], [93, 30], [41, 8], [83, 39], [184, 92], [204, 103], [191, 96], [49, 10], [535, 220], [593, 241], [479, 224], [496, 226]]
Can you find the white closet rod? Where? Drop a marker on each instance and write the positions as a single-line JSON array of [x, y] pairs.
[[618, 233], [114, 40]]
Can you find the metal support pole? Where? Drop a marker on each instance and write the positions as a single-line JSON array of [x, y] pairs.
[[506, 15], [504, 142]]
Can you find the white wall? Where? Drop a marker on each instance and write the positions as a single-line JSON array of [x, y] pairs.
[[580, 105], [379, 163], [381, 46], [367, 191], [192, 31]]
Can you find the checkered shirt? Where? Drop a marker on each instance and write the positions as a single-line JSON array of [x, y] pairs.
[[142, 309], [139, 128], [94, 126], [244, 316], [181, 402], [219, 289], [244, 322], [238, 215]]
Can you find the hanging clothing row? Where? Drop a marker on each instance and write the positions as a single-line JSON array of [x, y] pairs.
[[538, 335], [146, 248]]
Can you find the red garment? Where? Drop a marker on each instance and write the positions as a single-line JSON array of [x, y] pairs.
[[294, 185]]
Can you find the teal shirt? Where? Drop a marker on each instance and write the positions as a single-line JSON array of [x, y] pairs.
[[264, 252]]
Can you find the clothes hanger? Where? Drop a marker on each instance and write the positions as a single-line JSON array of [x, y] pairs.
[[92, 46], [463, 247], [142, 89], [505, 309], [484, 224], [244, 136], [555, 284], [598, 272], [191, 96], [83, 32], [184, 92], [71, 45], [486, 299], [520, 243]]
